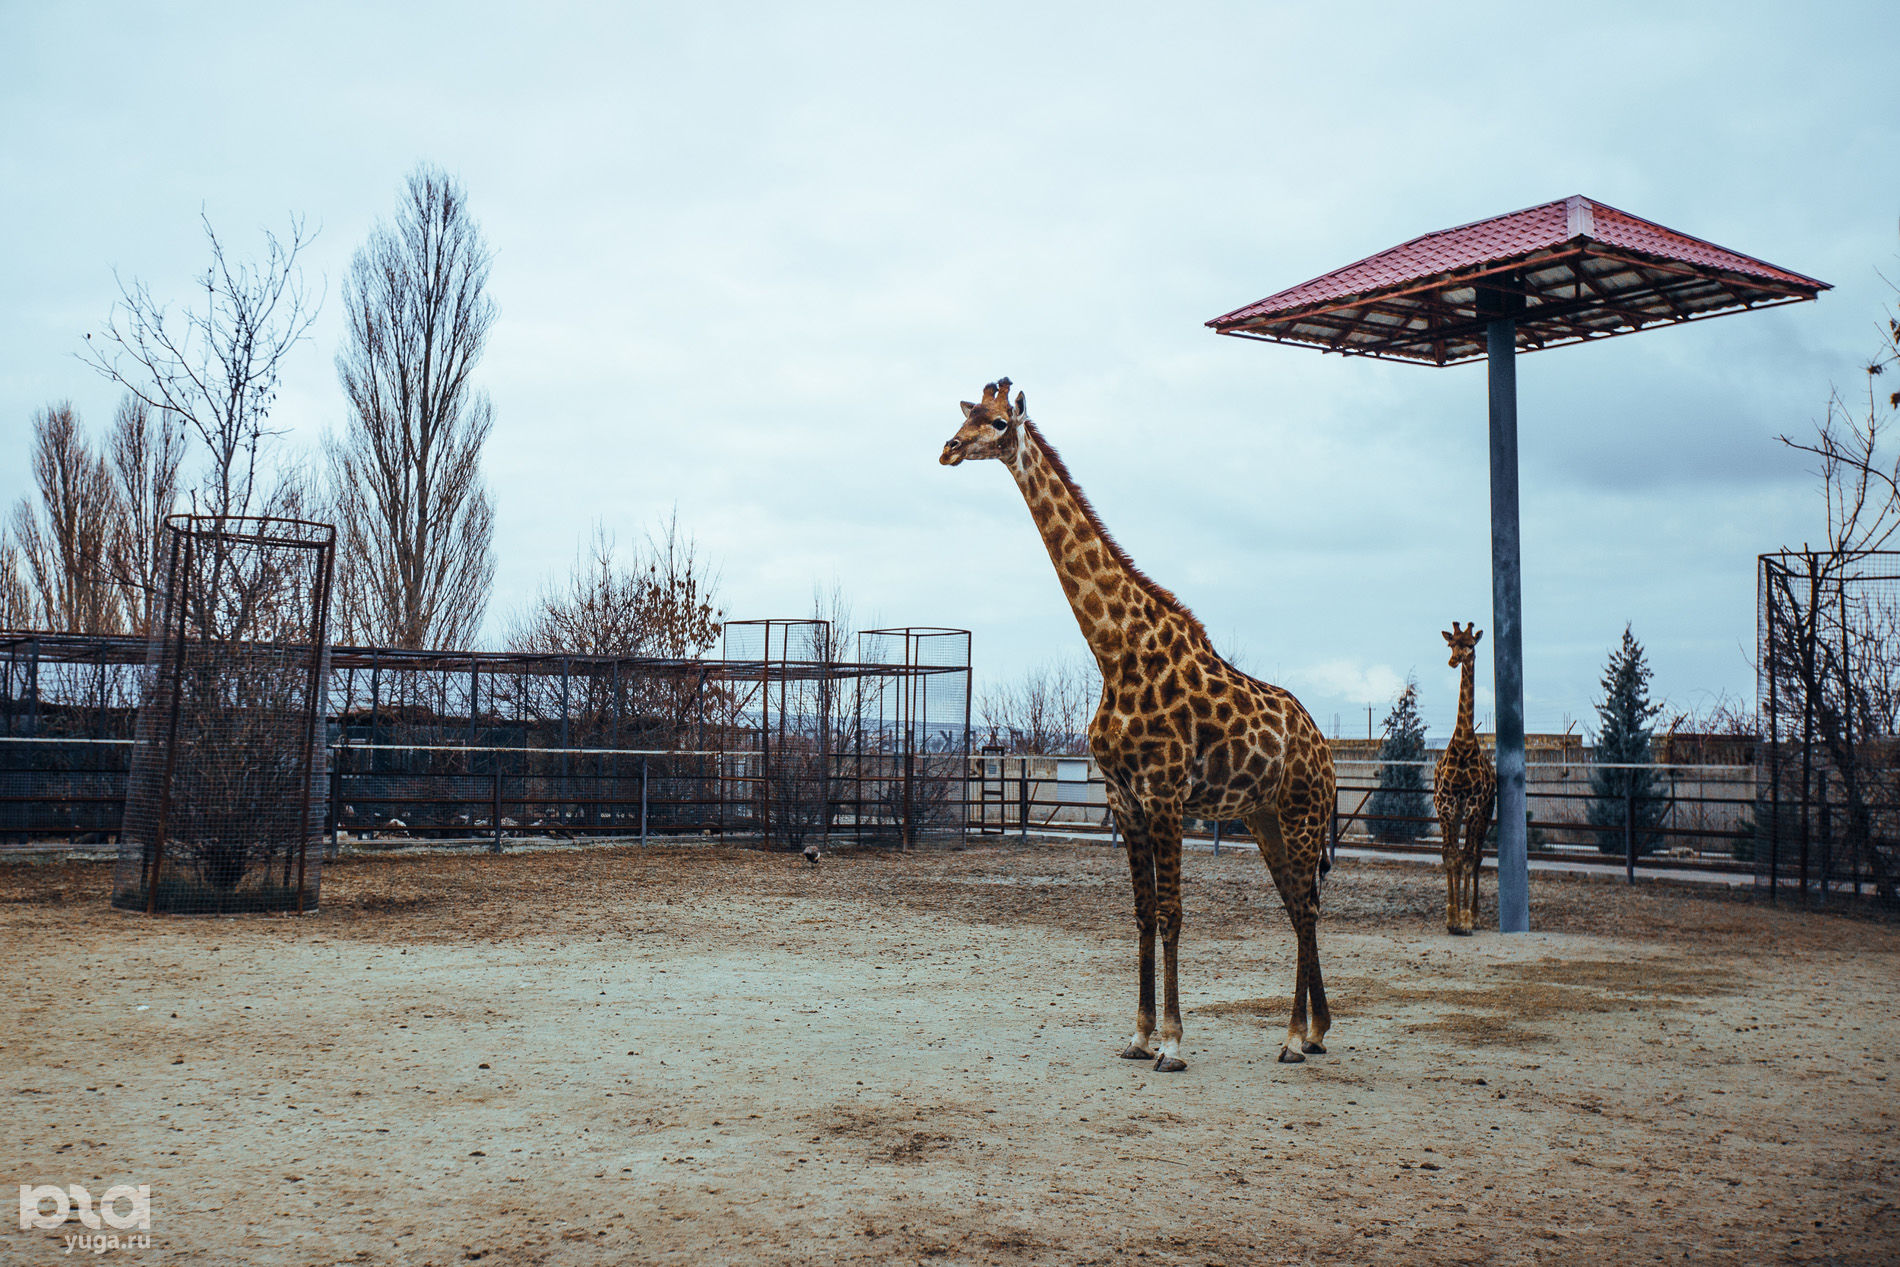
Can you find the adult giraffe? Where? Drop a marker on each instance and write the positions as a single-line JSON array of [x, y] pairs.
[[1464, 788], [1179, 731]]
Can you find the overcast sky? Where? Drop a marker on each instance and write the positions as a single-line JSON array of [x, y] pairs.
[[749, 257]]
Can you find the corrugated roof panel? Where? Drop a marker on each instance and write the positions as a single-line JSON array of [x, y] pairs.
[[1583, 268]]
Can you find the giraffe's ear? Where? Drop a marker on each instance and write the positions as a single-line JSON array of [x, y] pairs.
[[1446, 634], [968, 409], [1477, 635], [1022, 406]]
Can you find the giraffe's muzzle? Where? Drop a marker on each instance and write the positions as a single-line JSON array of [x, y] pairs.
[[952, 453]]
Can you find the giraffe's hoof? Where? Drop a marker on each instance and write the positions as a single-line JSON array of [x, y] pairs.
[[1132, 1052], [1313, 1049], [1169, 1064], [1290, 1057], [1459, 932]]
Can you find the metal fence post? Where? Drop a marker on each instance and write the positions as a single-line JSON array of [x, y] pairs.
[[643, 800], [1769, 655], [1810, 680], [33, 687], [1827, 839], [1629, 825], [910, 767], [336, 801], [1022, 801], [1217, 838], [497, 806]]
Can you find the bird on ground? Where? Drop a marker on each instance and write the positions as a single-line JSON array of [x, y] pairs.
[[811, 854]]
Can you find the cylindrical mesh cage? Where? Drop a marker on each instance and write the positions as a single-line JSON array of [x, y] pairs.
[[785, 702], [1827, 809], [225, 797], [912, 763]]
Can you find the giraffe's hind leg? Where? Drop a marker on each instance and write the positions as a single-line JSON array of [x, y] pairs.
[[1307, 852], [1295, 874]]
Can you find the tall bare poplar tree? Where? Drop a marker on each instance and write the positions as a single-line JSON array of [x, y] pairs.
[[145, 450], [65, 541], [415, 526]]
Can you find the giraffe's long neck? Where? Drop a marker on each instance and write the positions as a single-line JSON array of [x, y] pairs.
[[1465, 734], [1113, 605]]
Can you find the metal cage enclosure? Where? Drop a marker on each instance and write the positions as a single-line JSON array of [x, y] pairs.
[[225, 793]]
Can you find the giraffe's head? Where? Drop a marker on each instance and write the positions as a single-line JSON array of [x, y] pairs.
[[1463, 643], [991, 429]]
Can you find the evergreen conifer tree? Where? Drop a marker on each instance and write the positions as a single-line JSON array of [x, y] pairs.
[[1402, 795], [1623, 739]]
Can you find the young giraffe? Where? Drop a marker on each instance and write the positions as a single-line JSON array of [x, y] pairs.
[[1464, 788], [1179, 731]]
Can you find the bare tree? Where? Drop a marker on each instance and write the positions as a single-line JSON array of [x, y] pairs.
[[658, 601], [415, 524], [145, 450], [1046, 712], [16, 601], [599, 610], [1860, 481], [682, 614], [662, 601], [65, 540], [840, 699], [1832, 660], [820, 732], [216, 366]]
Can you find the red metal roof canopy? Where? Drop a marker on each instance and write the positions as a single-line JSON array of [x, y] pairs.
[[1583, 271]]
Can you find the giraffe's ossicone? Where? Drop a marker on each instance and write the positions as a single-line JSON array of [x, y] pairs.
[[1179, 732]]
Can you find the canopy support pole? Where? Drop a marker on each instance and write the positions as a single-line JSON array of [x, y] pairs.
[[1507, 608]]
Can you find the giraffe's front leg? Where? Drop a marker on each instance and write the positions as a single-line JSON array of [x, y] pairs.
[[1141, 870], [1138, 1042], [1476, 832], [1167, 850], [1448, 825]]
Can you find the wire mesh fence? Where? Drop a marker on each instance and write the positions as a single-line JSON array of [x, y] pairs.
[[1703, 820], [1695, 816], [395, 795], [224, 791], [62, 788], [793, 734], [1829, 668]]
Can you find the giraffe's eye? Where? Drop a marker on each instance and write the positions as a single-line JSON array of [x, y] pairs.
[[1001, 424]]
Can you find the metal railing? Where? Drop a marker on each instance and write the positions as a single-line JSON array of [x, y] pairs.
[[1711, 819]]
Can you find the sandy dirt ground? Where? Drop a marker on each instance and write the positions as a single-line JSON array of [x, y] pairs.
[[708, 1055]]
